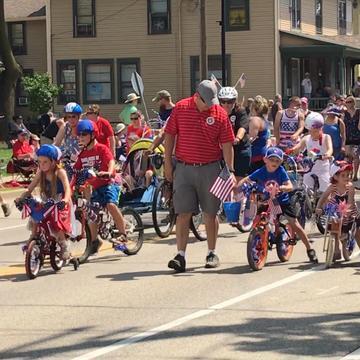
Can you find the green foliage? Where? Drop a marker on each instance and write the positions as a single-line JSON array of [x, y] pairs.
[[41, 92]]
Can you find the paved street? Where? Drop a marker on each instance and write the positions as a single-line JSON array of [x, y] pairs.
[[286, 311]]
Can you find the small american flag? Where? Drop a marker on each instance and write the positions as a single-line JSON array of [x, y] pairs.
[[223, 185], [242, 80]]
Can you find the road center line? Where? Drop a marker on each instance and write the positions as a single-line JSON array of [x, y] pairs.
[[355, 355], [322, 292], [13, 227], [196, 315]]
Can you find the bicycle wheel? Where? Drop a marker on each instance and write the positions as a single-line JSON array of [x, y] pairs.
[[163, 213], [246, 220], [33, 260], [257, 249], [329, 251], [56, 260], [284, 250], [197, 227], [348, 246], [134, 231]]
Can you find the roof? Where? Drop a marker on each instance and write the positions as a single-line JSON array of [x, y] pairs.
[[22, 9], [348, 41]]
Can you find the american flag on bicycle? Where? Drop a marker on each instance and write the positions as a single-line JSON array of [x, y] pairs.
[[223, 185], [274, 208]]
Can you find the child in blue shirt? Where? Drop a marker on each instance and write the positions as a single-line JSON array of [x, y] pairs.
[[272, 171]]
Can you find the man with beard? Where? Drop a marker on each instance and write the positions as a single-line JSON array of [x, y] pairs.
[[163, 99]]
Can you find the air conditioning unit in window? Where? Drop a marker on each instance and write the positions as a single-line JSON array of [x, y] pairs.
[[23, 100]]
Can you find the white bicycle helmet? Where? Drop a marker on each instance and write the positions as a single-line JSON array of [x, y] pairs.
[[314, 121], [72, 107], [228, 93]]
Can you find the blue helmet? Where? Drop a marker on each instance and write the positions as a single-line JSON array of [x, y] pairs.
[[85, 126], [50, 151], [73, 107]]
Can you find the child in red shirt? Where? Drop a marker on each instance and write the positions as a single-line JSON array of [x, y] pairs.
[[105, 192]]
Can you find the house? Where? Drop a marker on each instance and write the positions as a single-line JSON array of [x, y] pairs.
[[26, 22], [93, 46]]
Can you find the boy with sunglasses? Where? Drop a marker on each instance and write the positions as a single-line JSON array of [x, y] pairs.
[[272, 171], [105, 192]]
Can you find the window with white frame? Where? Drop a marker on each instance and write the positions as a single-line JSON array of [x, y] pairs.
[[319, 16], [342, 17], [295, 11], [125, 69], [16, 33], [67, 77]]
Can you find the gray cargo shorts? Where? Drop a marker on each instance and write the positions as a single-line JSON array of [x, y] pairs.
[[192, 188]]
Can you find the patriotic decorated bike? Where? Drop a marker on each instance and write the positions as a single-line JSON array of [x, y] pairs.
[[98, 214], [335, 229], [43, 242], [269, 229]]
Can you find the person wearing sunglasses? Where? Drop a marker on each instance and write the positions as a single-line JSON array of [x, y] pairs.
[[240, 123], [67, 137], [105, 191], [137, 129], [352, 127], [317, 144]]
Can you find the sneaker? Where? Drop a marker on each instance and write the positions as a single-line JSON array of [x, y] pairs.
[[6, 209], [212, 261], [95, 246], [312, 256], [178, 263]]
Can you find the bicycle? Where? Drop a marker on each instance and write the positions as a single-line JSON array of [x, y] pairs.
[[106, 227], [164, 217], [333, 229], [269, 229], [44, 243]]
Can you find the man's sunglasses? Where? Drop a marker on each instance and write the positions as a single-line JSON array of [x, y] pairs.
[[83, 134], [134, 118], [71, 116], [230, 102]]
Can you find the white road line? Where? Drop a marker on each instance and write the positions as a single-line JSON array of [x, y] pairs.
[[198, 314], [352, 356], [12, 227], [327, 290]]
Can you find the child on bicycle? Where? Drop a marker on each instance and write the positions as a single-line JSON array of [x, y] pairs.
[[272, 171], [317, 144], [54, 184], [105, 192], [341, 189]]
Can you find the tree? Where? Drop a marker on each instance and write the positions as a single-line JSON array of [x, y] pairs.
[[41, 92], [9, 75]]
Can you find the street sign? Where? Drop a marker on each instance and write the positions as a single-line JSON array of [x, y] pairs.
[[138, 85]]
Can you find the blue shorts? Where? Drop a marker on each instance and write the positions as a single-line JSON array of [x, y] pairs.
[[108, 194]]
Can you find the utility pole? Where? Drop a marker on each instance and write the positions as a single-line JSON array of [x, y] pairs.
[[223, 43], [203, 47]]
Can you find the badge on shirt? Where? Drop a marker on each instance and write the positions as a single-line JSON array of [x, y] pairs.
[[232, 118], [210, 120]]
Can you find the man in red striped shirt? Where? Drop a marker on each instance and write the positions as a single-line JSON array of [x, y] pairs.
[[204, 137]]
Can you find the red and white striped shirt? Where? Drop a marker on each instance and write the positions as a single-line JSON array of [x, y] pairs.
[[199, 134]]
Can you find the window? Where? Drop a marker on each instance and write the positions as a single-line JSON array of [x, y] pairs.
[[84, 18], [237, 15], [125, 68], [342, 17], [159, 17], [98, 81], [20, 93], [214, 67], [67, 76], [318, 16], [16, 32], [295, 9]]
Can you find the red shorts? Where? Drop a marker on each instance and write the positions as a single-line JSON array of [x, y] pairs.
[[63, 222]]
